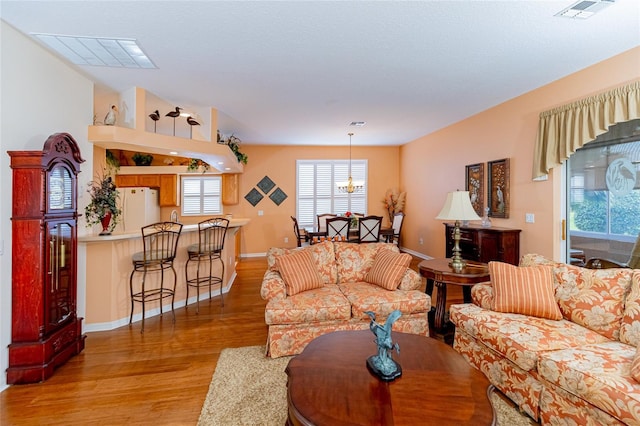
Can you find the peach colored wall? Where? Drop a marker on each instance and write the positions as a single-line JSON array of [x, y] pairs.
[[435, 164], [279, 163]]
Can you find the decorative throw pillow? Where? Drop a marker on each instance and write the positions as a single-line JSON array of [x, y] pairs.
[[387, 269], [635, 365], [524, 290], [298, 272]]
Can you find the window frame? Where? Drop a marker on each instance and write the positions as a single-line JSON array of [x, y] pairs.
[[339, 171], [215, 195]]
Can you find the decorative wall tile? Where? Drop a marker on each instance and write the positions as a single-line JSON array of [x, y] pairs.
[[266, 184], [254, 197], [278, 196]]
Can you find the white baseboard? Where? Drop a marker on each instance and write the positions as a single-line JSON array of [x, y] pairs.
[[106, 326]]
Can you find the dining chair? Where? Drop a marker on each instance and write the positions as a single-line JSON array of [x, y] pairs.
[[338, 228], [398, 219], [322, 221], [211, 236], [369, 229], [301, 234], [160, 242]]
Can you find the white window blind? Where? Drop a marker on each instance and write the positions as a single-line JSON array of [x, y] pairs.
[[201, 195], [317, 192]]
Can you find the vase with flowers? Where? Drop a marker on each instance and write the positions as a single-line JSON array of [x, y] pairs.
[[103, 208], [353, 223], [394, 201]]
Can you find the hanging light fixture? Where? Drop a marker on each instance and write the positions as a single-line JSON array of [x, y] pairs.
[[350, 186]]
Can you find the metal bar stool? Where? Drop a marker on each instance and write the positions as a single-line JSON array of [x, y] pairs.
[[211, 236], [160, 242]]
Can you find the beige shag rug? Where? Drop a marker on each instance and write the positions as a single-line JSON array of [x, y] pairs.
[[250, 389]]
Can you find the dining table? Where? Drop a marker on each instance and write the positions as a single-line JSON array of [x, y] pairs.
[[316, 236]]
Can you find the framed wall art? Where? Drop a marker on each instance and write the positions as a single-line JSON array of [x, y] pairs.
[[499, 188], [474, 183]]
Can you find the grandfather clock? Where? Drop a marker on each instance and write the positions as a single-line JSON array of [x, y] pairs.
[[45, 330]]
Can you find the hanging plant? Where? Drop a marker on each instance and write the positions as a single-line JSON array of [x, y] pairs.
[[234, 144]]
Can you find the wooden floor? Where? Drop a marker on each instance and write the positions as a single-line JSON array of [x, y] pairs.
[[160, 377]]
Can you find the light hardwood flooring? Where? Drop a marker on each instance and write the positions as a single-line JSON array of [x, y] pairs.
[[160, 377]]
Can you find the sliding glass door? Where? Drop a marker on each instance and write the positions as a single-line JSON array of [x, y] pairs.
[[603, 192]]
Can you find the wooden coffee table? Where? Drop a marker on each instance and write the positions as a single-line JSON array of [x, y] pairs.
[[329, 384]]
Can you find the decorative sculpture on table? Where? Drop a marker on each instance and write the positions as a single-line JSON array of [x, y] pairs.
[[383, 364]]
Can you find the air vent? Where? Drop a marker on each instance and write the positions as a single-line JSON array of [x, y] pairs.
[[584, 9], [357, 123]]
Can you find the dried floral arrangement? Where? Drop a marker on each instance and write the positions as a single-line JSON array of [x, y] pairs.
[[394, 201]]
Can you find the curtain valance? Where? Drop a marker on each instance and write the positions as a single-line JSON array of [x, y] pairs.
[[562, 130]]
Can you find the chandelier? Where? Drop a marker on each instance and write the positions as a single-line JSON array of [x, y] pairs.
[[350, 186]]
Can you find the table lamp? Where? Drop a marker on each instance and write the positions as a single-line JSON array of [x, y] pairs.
[[457, 207]]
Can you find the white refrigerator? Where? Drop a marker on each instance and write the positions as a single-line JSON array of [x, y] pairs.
[[139, 206]]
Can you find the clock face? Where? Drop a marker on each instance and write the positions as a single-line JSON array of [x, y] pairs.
[[59, 189]]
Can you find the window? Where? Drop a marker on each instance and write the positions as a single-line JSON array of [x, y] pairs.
[[604, 195], [201, 195], [317, 192]]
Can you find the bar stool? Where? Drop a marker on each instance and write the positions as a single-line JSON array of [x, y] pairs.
[[211, 236], [160, 242]]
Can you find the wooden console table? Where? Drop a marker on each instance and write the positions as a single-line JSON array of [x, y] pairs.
[[485, 244]]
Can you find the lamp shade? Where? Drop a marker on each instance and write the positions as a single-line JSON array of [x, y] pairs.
[[458, 207]]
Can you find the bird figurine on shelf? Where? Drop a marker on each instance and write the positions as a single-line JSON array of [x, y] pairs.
[[174, 115], [155, 116], [112, 115], [192, 122]]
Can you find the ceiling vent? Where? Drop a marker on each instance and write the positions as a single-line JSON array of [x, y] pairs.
[[357, 123], [584, 9]]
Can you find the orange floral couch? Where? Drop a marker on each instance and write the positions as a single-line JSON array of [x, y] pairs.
[[341, 300], [576, 370]]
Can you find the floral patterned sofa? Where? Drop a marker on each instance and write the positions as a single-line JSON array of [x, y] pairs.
[[580, 368], [346, 279]]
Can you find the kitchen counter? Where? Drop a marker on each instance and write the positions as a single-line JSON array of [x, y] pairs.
[[105, 280], [233, 223]]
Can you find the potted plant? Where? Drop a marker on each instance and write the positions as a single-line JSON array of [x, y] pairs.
[[103, 208], [196, 163], [142, 159], [234, 144]]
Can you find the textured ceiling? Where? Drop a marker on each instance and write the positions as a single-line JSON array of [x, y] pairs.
[[298, 72]]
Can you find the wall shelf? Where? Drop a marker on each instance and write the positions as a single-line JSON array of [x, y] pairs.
[[115, 137]]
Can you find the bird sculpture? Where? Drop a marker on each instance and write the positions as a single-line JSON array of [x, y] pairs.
[[155, 116], [192, 122], [174, 114], [110, 118]]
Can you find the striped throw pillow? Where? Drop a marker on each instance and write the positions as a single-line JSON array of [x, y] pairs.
[[388, 268], [526, 290], [635, 365], [298, 272]]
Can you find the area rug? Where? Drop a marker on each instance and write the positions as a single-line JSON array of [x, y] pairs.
[[250, 389]]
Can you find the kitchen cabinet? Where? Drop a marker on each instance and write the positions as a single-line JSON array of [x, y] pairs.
[[485, 244], [168, 190], [167, 185], [230, 189], [45, 329]]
